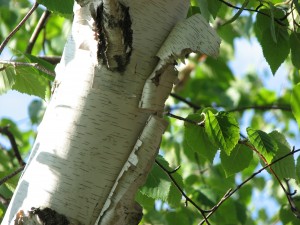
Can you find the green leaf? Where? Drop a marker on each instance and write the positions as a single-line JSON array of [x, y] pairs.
[[263, 143], [222, 130], [227, 213], [204, 9], [275, 53], [36, 111], [42, 63], [159, 186], [265, 97], [295, 49], [144, 200], [239, 159], [193, 10], [295, 103], [286, 215], [197, 140], [284, 168], [29, 81], [65, 8], [213, 7], [177, 218], [7, 78], [273, 38]]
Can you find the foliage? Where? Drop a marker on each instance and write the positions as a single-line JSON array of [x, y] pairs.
[[207, 138]]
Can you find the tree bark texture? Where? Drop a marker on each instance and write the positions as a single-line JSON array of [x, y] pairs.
[[103, 126]]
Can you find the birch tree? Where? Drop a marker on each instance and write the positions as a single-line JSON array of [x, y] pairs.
[[103, 126]]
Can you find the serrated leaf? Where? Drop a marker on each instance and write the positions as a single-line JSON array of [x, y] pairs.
[[64, 8], [273, 38], [197, 140], [7, 78], [29, 81], [222, 130], [42, 63], [295, 102], [239, 159], [159, 186], [295, 49], [263, 143], [284, 168]]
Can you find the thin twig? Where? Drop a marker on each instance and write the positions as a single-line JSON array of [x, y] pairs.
[[183, 119], [35, 65], [4, 43], [6, 132], [51, 59], [37, 30], [253, 10], [189, 103], [169, 173], [287, 193], [230, 192], [6, 178]]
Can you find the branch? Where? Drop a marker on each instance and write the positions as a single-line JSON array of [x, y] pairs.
[[6, 132], [230, 192], [189, 103], [37, 30], [51, 59], [35, 65], [4, 43], [183, 119], [3, 180], [234, 18], [253, 10], [187, 199]]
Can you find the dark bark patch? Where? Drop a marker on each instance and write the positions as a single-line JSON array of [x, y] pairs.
[[49, 216], [104, 23]]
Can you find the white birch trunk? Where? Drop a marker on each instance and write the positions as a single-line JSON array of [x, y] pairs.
[[103, 126]]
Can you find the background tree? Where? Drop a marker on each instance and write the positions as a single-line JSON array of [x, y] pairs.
[[216, 159]]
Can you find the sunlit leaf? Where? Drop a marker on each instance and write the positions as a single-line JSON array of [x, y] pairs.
[[7, 78], [263, 143], [222, 130], [159, 186], [238, 159], [273, 38], [29, 81]]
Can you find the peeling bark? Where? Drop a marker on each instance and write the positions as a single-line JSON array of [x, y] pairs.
[[103, 126]]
